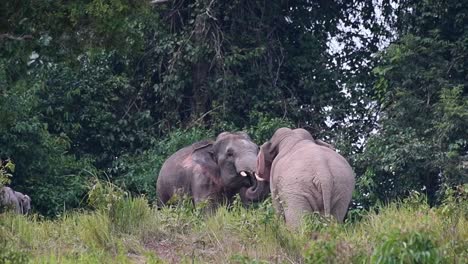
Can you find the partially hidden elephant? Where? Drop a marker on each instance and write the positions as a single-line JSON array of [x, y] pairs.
[[213, 171], [24, 202], [305, 176], [15, 201]]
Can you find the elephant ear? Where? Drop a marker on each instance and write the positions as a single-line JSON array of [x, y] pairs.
[[26, 199], [203, 154], [264, 160]]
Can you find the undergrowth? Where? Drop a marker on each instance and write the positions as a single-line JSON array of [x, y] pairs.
[[123, 229]]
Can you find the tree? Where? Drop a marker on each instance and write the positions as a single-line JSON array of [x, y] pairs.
[[422, 143], [100, 81]]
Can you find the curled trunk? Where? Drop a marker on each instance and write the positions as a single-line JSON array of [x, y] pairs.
[[256, 193]]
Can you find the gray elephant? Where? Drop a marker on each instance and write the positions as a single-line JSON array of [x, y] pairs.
[[305, 176], [24, 202], [213, 171], [8, 200], [15, 201]]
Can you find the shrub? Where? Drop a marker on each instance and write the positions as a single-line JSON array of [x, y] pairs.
[[406, 247], [95, 231], [264, 126], [240, 259], [138, 173], [455, 201], [6, 170], [322, 250], [105, 195], [129, 214], [11, 256]]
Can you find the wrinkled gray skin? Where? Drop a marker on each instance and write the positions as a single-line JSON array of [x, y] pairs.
[[8, 200], [305, 176], [212, 171], [15, 201], [24, 202]]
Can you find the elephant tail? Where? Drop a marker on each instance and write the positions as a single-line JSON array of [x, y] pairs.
[[326, 201], [327, 187], [324, 186]]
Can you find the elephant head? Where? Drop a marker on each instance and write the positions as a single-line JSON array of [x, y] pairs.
[[235, 155], [24, 202], [213, 171], [284, 137]]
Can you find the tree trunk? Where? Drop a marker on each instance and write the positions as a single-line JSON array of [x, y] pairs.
[[200, 68]]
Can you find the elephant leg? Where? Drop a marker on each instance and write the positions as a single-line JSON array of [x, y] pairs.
[[295, 207], [277, 202], [208, 199], [340, 208]]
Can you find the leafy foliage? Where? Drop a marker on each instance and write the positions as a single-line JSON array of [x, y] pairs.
[[406, 248], [138, 173], [113, 87], [420, 85], [6, 170]]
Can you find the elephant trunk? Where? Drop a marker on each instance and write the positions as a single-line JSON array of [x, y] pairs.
[[256, 193]]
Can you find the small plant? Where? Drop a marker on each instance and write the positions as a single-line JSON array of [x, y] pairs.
[[6, 169], [95, 231], [406, 247], [241, 259], [105, 195], [265, 126], [316, 222], [321, 250], [129, 214], [416, 201], [7, 255], [455, 201]]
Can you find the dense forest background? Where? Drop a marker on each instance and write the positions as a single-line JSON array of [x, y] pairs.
[[107, 89]]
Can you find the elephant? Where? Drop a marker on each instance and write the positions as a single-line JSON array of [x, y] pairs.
[[213, 171], [304, 176], [24, 202], [8, 200]]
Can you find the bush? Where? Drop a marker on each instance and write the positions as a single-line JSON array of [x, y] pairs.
[[129, 214], [10, 256], [240, 259], [6, 170], [406, 247], [264, 126], [104, 196], [124, 212], [44, 168], [95, 231], [454, 201], [322, 250], [138, 173]]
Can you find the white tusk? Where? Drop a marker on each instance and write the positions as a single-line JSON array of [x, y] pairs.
[[258, 177], [243, 174]]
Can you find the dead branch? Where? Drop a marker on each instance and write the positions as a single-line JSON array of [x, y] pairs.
[[154, 2], [9, 36]]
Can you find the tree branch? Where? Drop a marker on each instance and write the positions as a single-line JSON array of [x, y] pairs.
[[158, 1], [9, 36]]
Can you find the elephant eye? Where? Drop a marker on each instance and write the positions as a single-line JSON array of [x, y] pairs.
[[229, 153], [212, 155]]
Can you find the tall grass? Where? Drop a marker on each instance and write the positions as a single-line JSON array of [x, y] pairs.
[[130, 231]]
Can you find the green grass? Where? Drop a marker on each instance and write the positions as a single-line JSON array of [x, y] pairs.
[[130, 231]]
